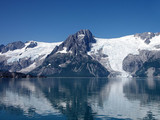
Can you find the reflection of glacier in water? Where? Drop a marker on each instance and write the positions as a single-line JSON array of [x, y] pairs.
[[128, 99], [81, 98]]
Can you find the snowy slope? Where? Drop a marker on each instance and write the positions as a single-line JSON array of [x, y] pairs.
[[36, 54], [118, 48]]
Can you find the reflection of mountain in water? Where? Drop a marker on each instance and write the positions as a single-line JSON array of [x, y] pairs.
[[50, 96], [70, 96], [144, 90], [147, 91], [118, 102], [149, 116], [80, 98], [23, 96]]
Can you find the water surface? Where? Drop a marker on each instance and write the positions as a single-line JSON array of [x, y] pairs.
[[80, 98]]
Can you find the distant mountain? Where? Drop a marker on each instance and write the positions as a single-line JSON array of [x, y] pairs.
[[83, 55]]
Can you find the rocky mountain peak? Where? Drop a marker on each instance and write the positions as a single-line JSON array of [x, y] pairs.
[[157, 34], [146, 36], [79, 42], [1, 47], [12, 46], [32, 44], [84, 32]]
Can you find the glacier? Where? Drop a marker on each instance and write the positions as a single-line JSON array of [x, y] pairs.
[[118, 48]]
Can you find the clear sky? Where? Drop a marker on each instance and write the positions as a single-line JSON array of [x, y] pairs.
[[54, 20]]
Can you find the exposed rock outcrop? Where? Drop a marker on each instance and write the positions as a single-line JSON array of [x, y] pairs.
[[147, 63]]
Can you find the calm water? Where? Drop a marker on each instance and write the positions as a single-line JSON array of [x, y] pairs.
[[80, 98]]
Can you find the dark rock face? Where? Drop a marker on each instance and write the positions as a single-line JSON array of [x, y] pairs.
[[132, 63], [147, 63], [12, 46], [1, 47], [146, 36], [65, 65], [6, 74], [32, 45], [157, 34], [74, 60]]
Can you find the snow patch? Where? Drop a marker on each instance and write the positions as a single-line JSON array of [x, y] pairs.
[[81, 35], [64, 50], [29, 68]]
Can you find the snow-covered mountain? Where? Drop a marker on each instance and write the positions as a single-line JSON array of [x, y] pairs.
[[25, 58], [82, 54]]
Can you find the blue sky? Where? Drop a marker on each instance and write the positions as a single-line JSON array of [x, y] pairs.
[[54, 20]]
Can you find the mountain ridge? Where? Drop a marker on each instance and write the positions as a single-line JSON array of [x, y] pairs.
[[81, 54]]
